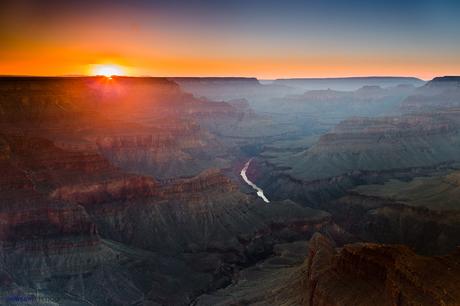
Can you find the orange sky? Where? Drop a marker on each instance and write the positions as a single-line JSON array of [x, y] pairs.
[[74, 62], [70, 41]]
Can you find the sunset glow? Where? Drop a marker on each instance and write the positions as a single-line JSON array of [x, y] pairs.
[[107, 70]]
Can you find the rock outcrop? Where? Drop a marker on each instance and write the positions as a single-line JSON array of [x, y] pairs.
[[373, 274]]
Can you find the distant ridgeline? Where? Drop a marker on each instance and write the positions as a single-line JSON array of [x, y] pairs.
[[351, 83]]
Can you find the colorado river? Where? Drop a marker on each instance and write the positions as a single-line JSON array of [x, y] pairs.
[[259, 191]]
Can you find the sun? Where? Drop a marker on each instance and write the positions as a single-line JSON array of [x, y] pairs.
[[107, 70]]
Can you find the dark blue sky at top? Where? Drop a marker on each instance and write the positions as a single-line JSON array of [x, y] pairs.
[[431, 21], [352, 11], [432, 17]]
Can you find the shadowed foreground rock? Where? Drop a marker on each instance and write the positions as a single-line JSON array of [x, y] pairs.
[[374, 274], [357, 274]]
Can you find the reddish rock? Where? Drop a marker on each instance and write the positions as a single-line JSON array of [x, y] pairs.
[[375, 274]]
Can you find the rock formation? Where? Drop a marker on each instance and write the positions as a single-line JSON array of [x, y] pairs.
[[372, 274]]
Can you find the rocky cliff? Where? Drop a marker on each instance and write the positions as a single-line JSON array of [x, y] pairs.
[[355, 274], [439, 93], [76, 226], [143, 125], [372, 274], [328, 104], [388, 143]]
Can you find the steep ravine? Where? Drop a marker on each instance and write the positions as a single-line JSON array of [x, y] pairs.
[[259, 191]]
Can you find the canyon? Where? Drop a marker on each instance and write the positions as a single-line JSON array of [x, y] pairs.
[[155, 191]]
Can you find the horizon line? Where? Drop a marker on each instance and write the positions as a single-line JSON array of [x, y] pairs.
[[223, 77]]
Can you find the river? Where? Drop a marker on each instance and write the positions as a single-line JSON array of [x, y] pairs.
[[259, 191]]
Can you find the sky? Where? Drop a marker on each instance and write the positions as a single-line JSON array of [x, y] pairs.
[[265, 39]]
